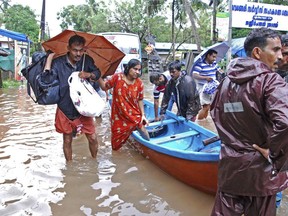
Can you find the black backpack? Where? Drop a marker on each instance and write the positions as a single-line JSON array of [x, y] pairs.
[[45, 93]]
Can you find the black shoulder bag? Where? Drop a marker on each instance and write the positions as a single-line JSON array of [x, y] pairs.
[[45, 93]]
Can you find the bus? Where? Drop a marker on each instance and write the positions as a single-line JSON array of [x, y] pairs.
[[128, 43]]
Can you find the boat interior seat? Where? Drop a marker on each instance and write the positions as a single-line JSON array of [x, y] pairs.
[[164, 122], [173, 137]]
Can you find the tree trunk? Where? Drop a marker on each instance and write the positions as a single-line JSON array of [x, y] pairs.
[[189, 11], [214, 31], [1, 82], [173, 30]]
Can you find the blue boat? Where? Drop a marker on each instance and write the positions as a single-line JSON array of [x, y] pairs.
[[182, 148]]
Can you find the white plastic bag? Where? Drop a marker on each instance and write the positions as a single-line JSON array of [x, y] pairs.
[[85, 99]]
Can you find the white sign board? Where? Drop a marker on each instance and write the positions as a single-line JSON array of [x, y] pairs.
[[222, 23], [255, 15]]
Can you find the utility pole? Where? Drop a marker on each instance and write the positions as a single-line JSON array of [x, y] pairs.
[[173, 30], [214, 32], [42, 23], [42, 27], [48, 30], [228, 55]]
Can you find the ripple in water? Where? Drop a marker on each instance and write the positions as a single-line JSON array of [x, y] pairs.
[[35, 179], [31, 156]]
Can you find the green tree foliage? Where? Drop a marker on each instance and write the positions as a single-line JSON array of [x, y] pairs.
[[205, 27], [160, 29], [148, 16], [138, 17], [75, 16], [127, 16], [4, 4], [195, 13], [22, 19], [240, 32], [90, 17]]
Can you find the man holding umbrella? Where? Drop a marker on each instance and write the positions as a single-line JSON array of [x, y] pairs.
[[68, 120]]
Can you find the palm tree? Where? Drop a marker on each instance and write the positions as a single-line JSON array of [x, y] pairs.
[[189, 7], [191, 14]]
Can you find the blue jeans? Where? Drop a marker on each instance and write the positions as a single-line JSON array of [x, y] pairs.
[[171, 102]]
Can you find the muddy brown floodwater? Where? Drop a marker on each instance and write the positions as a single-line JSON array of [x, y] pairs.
[[35, 179]]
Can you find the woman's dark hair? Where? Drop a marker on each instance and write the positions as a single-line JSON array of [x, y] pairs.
[[258, 38], [132, 63]]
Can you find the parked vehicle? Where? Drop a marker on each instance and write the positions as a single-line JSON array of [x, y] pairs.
[[128, 43]]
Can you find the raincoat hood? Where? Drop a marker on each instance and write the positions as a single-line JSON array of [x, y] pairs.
[[250, 107], [241, 70]]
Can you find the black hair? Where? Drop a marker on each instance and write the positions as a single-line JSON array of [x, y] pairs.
[[77, 39], [258, 38], [132, 63], [154, 77], [284, 40], [175, 65], [210, 52]]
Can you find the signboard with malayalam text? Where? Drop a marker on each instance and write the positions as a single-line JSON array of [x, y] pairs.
[[255, 15]]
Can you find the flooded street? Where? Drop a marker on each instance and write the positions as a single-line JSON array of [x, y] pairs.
[[35, 179]]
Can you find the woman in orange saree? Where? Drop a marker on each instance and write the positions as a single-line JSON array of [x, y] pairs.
[[127, 104]]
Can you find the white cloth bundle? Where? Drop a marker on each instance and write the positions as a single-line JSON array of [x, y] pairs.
[[85, 99]]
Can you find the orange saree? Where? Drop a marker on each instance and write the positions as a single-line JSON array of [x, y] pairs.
[[126, 114]]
